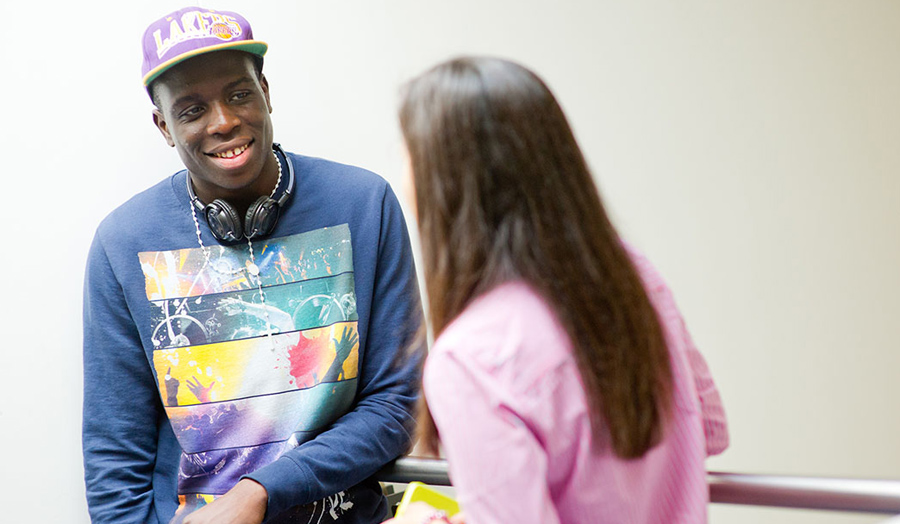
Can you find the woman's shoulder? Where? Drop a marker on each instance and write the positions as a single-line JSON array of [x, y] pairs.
[[650, 276], [655, 285]]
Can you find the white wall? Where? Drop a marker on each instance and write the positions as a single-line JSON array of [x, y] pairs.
[[750, 148]]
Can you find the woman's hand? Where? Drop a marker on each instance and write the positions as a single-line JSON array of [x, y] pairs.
[[419, 513]]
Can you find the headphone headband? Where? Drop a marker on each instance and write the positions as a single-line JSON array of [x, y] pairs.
[[290, 167]]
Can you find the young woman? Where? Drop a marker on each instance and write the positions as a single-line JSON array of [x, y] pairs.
[[562, 385]]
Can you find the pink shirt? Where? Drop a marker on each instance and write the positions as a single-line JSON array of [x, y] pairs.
[[506, 395]]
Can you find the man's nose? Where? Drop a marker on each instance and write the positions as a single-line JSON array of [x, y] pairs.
[[222, 120]]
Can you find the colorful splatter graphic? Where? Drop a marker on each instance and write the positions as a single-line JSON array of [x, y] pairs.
[[251, 366]]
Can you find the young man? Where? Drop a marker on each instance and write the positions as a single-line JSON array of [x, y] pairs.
[[245, 319]]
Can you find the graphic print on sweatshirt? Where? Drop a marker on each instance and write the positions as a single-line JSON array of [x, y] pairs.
[[245, 377]]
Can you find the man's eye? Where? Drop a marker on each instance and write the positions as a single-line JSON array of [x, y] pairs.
[[191, 112], [240, 95]]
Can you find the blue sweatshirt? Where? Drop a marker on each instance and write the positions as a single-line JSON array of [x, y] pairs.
[[204, 366]]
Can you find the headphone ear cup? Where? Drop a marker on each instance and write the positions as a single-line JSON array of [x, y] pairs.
[[223, 221], [261, 217]]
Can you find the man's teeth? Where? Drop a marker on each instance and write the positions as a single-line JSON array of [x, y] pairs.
[[234, 152]]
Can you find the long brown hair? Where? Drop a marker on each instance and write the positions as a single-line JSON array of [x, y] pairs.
[[503, 193]]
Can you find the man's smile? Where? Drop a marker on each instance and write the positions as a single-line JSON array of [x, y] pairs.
[[231, 153]]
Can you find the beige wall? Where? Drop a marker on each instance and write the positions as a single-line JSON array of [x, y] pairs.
[[749, 148]]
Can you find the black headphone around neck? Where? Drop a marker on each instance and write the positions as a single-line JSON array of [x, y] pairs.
[[224, 221]]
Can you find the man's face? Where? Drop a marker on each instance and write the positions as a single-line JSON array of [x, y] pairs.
[[214, 110]]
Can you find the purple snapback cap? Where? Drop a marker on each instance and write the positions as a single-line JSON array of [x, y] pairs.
[[192, 31]]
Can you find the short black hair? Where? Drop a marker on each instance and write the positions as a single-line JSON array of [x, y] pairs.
[[154, 96]]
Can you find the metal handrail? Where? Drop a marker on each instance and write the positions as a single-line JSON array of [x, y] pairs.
[[862, 495], [858, 495], [407, 469]]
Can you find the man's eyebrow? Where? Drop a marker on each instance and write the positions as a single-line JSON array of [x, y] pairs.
[[184, 99], [239, 81]]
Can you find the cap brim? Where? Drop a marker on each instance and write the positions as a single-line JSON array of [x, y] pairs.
[[255, 47]]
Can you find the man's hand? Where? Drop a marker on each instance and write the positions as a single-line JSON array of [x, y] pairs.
[[245, 503]]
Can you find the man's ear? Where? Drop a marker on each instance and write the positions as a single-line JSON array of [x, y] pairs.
[[265, 87], [163, 127]]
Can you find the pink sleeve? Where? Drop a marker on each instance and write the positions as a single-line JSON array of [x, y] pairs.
[[715, 427], [497, 465]]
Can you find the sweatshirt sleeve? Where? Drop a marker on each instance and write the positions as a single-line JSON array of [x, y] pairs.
[[121, 403], [378, 428]]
